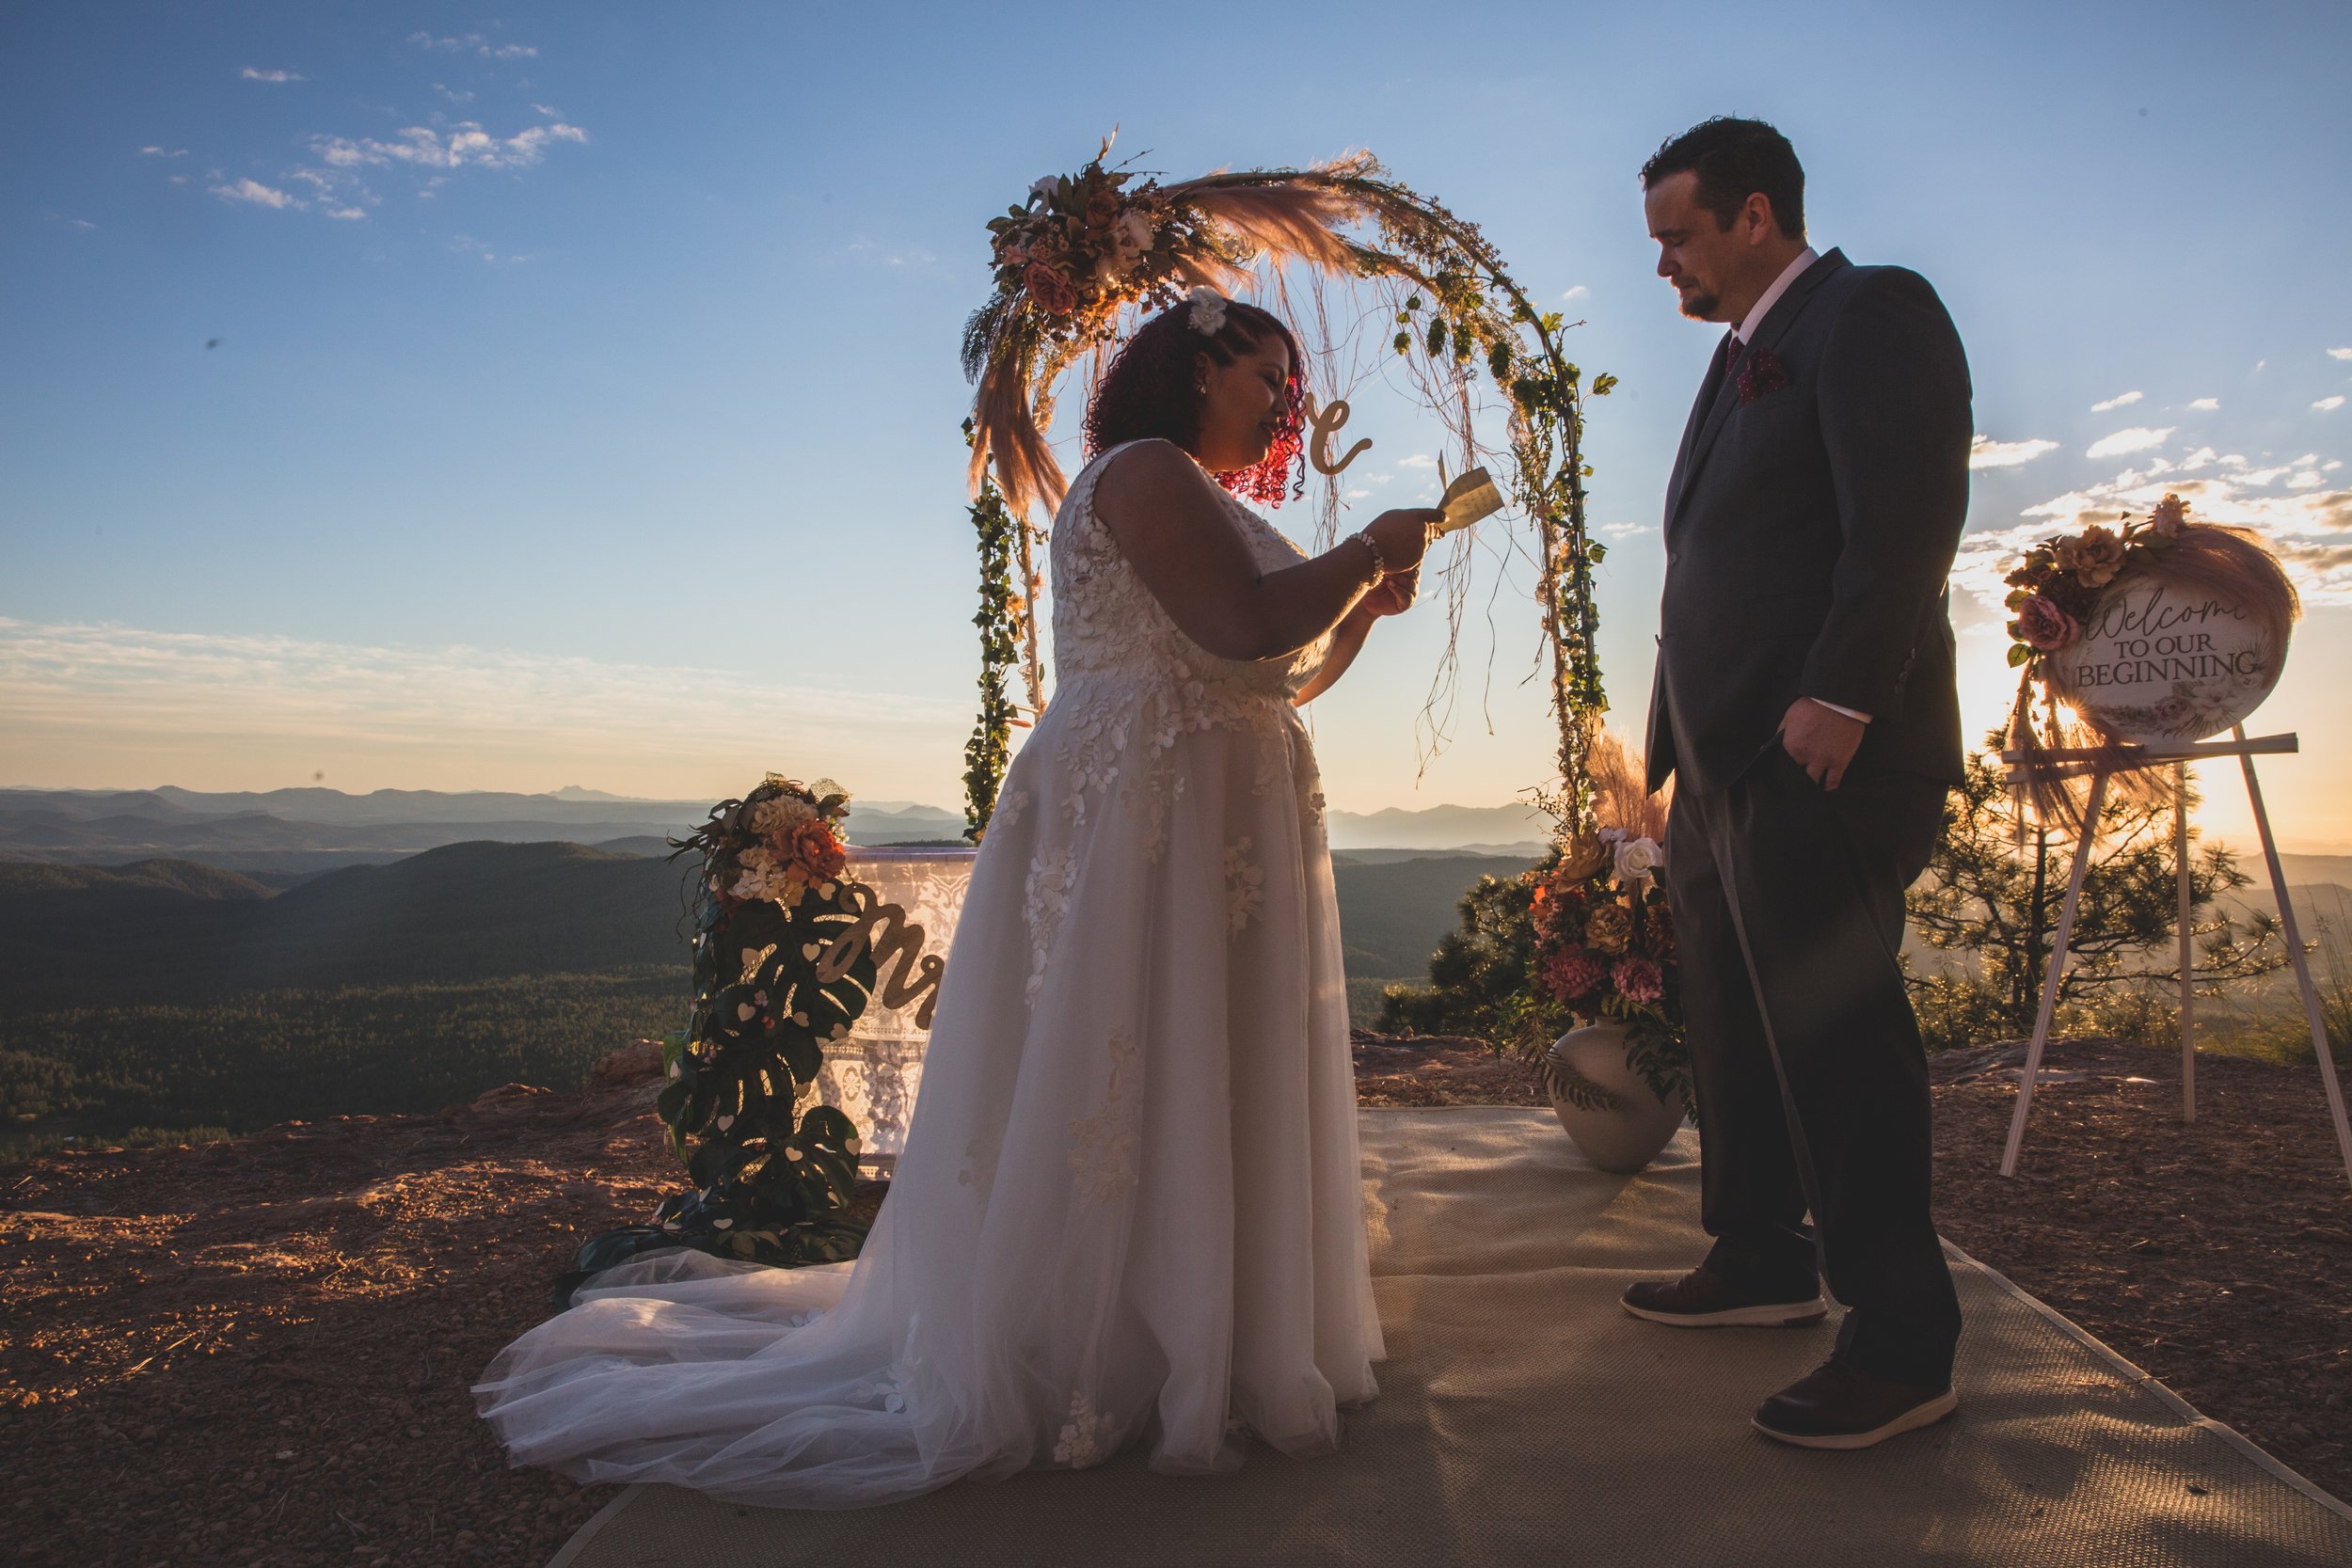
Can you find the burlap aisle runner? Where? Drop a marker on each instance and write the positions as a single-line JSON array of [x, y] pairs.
[[1525, 1420]]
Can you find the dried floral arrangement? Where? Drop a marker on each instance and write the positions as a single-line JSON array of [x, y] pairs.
[[775, 985], [2064, 585], [1084, 250], [1605, 951]]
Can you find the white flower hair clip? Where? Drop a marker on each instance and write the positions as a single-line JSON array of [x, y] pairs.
[[1208, 310]]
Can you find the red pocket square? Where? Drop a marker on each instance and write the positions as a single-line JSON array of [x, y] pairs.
[[1761, 372]]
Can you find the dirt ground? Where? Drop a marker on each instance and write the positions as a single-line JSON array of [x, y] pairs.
[[259, 1352]]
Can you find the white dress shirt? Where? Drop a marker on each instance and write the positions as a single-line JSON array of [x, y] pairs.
[[1745, 332]]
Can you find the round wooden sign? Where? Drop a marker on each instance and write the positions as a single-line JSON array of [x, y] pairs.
[[2164, 659]]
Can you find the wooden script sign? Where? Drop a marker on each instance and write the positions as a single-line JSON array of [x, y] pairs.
[[2164, 663]]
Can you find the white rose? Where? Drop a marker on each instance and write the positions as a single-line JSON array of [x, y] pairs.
[[1208, 310], [1131, 234], [1638, 858]]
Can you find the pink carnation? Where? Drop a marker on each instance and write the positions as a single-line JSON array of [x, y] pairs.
[[1573, 973], [1638, 980]]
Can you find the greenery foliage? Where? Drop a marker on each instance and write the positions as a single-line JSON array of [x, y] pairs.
[[1480, 976], [771, 1184], [1992, 898], [1000, 619]]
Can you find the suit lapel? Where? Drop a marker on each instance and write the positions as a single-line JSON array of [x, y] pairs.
[[1769, 332], [1710, 392]]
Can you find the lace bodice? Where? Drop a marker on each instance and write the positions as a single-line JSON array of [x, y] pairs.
[[1108, 626]]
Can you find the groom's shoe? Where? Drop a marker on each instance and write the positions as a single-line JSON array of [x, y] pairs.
[[1704, 1299], [1841, 1406]]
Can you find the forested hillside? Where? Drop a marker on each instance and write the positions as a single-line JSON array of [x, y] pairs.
[[166, 994]]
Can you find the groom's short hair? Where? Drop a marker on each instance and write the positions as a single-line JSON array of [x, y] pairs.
[[1734, 159]]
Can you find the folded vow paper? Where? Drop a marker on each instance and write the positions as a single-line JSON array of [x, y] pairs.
[[1471, 497]]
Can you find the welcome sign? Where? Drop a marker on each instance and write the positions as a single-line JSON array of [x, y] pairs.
[[2166, 661]]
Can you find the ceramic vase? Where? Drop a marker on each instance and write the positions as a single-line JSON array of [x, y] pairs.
[[1626, 1136]]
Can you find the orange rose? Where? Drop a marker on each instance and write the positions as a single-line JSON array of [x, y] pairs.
[[814, 848]]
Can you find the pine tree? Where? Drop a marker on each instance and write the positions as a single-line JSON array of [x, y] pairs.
[[1992, 895]]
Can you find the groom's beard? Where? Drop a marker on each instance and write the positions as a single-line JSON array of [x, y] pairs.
[[1700, 307]]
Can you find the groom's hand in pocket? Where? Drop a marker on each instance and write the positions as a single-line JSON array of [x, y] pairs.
[[1821, 740]]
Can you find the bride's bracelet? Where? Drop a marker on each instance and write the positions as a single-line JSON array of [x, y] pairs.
[[1379, 561]]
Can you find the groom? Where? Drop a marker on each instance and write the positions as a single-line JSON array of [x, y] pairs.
[[1804, 702]]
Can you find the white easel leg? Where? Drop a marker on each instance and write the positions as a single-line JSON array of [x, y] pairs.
[[2084, 841], [2317, 1019], [2189, 956]]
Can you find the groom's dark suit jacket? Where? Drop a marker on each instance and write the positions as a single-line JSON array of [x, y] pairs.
[[1809, 529]]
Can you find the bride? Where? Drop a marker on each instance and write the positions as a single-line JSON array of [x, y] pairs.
[[1128, 1210]]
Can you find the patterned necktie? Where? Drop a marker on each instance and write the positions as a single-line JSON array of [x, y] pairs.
[[1727, 355]]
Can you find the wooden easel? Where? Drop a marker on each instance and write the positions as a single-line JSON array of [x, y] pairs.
[[2102, 767]]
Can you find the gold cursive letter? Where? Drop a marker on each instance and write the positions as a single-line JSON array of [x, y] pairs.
[[1327, 419]]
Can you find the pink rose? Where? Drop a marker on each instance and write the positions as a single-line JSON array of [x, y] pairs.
[[2042, 625], [1051, 288], [1638, 980]]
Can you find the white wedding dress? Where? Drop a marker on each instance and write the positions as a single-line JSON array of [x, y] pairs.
[[1128, 1210]]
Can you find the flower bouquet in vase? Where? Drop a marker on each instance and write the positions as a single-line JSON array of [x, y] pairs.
[[1604, 954]]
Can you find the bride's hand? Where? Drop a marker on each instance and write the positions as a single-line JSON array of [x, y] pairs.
[[1393, 595], [1402, 535]]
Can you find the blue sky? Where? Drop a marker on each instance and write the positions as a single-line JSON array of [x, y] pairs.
[[583, 404]]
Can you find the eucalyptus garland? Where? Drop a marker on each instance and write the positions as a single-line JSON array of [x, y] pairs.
[[772, 989], [989, 752]]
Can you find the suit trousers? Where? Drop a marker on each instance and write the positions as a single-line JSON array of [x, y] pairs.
[[1812, 1080]]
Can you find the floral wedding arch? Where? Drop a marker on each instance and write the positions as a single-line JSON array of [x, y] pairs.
[[1091, 251]]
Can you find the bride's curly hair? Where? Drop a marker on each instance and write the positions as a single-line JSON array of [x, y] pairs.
[[1149, 392]]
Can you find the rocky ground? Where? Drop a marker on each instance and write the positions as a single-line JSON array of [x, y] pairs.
[[258, 1353]]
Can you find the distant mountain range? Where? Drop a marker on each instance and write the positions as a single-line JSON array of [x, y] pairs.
[[305, 831], [172, 931], [291, 833]]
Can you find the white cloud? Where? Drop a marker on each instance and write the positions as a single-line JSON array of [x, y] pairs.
[[1580, 292], [250, 74], [913, 257], [162, 153], [475, 43], [1985, 452], [2340, 353], [260, 195], [2329, 405], [1628, 530], [465, 144], [1419, 460], [2122, 400], [2206, 405], [83, 224], [2138, 438], [2307, 479], [2309, 526]]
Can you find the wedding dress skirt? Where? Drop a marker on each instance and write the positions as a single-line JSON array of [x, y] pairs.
[[1128, 1209]]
